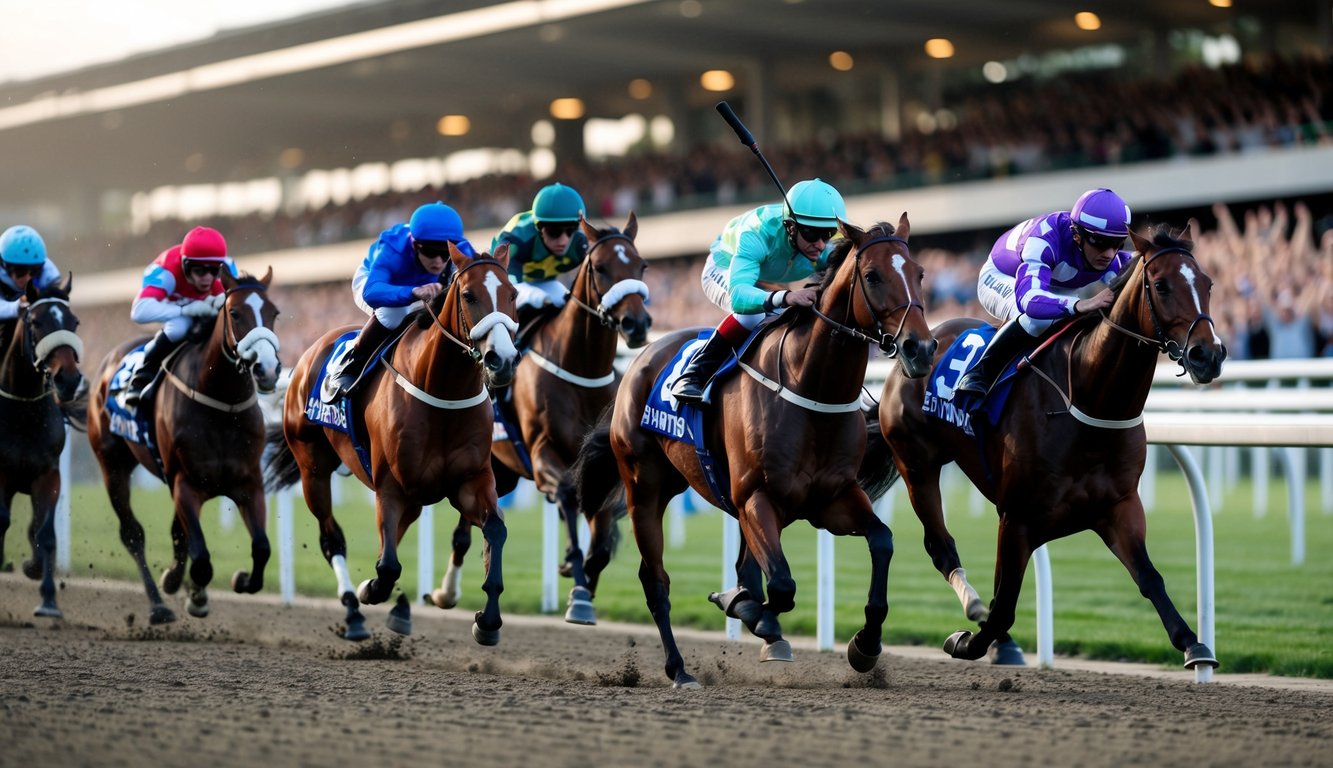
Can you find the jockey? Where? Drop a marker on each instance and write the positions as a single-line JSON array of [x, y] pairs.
[[775, 243], [23, 253], [1045, 269], [543, 243], [408, 265], [180, 285]]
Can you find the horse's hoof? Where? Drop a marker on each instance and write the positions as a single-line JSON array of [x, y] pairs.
[[160, 614], [400, 617], [197, 605], [1200, 654], [580, 610], [442, 599], [566, 570], [240, 582], [685, 681], [32, 569], [170, 581], [956, 644], [356, 630], [777, 650], [7, 568], [48, 611], [1006, 653], [860, 660], [485, 636]]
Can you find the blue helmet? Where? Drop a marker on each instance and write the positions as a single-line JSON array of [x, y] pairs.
[[436, 221], [21, 244], [1101, 212], [557, 203], [815, 203]]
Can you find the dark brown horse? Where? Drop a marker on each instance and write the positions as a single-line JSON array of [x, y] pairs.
[[209, 433], [564, 381], [39, 374], [788, 436], [1067, 453], [426, 416]]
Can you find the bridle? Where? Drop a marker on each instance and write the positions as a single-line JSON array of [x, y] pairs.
[[36, 351], [613, 296], [478, 332], [887, 342], [240, 352], [1174, 350]]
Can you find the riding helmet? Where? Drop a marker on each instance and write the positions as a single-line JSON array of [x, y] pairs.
[[437, 222], [1101, 212], [815, 203], [557, 203], [20, 244]]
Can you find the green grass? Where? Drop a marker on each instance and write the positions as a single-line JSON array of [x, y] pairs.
[[1271, 616]]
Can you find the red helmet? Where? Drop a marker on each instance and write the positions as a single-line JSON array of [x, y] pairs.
[[205, 245]]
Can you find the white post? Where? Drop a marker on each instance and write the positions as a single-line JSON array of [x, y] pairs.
[[1045, 610], [676, 522], [336, 482], [1216, 481], [1294, 459], [425, 552], [550, 555], [286, 546], [731, 549], [1259, 480], [62, 511], [825, 600], [1203, 548], [226, 513], [1326, 478], [1148, 480]]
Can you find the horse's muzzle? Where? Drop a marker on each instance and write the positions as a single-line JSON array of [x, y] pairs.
[[1203, 362], [499, 369], [634, 330], [915, 356]]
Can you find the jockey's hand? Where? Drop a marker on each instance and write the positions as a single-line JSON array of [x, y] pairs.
[[23, 303], [201, 308], [217, 300], [802, 298], [428, 291], [1102, 300]]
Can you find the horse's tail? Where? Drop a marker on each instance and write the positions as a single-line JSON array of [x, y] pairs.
[[596, 475], [878, 472], [280, 467]]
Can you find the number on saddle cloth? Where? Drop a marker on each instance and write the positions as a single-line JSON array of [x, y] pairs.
[[941, 401]]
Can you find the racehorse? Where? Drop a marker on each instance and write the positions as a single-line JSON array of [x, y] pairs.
[[424, 421], [39, 377], [564, 380], [1067, 452], [207, 434], [787, 438]]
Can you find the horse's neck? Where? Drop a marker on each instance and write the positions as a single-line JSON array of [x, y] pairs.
[[825, 364], [577, 341], [213, 373], [436, 364], [1114, 369], [18, 375]]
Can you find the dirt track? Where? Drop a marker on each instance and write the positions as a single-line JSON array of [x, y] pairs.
[[257, 683]]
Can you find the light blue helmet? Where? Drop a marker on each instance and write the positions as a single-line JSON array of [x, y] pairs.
[[557, 203], [1101, 212], [436, 221], [815, 203], [21, 244]]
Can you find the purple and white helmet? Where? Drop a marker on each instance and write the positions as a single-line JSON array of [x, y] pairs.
[[1101, 212]]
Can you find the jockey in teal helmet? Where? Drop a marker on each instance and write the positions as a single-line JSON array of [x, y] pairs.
[[775, 243], [544, 243], [23, 253]]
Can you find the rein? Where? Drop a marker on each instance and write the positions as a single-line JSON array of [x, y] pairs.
[[888, 343], [238, 353], [40, 350], [470, 349]]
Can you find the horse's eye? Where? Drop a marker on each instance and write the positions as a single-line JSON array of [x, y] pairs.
[[599, 269], [1161, 286], [872, 277], [469, 297]]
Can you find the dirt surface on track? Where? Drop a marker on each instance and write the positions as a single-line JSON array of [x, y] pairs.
[[257, 684]]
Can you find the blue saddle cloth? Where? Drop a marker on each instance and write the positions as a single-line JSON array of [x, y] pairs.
[[338, 415], [662, 413], [126, 423], [940, 401]]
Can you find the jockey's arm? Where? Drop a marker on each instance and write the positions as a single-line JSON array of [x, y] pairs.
[[743, 275], [1032, 284], [149, 309]]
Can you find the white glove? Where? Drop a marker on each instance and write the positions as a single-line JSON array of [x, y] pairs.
[[530, 297], [217, 300], [202, 308]]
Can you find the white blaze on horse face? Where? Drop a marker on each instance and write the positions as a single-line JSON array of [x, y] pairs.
[[256, 304], [493, 284], [58, 315], [620, 253], [899, 265], [1191, 278]]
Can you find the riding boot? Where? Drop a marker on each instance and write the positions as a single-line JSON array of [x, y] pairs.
[[154, 354], [689, 388], [372, 336], [1011, 340]]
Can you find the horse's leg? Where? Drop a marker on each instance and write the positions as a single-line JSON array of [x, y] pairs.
[[451, 585], [390, 509], [762, 533], [1013, 550], [744, 601], [478, 502], [180, 556], [647, 502], [853, 514], [254, 511], [923, 490], [117, 465], [1125, 534], [580, 609], [318, 492], [45, 494], [188, 501]]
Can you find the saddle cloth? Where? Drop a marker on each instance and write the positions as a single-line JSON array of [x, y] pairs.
[[940, 402]]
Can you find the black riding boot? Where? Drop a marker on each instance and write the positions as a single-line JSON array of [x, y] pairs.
[[1010, 341], [689, 388], [368, 341], [154, 354]]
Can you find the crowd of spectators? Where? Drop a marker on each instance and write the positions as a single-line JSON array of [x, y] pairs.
[[1076, 120]]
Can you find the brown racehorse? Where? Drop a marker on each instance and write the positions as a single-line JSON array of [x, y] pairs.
[[788, 436], [39, 377], [427, 418], [564, 381], [1067, 453], [209, 431]]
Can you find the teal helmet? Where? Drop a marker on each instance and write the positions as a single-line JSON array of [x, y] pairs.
[[557, 203], [436, 221], [21, 244], [815, 203]]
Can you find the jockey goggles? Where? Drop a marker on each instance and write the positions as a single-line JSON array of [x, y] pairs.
[[815, 234], [24, 270], [558, 229], [203, 268], [1101, 242]]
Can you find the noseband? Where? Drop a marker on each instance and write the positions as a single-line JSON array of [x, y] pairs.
[[232, 346], [36, 351], [617, 292], [460, 319], [887, 342], [1174, 350]]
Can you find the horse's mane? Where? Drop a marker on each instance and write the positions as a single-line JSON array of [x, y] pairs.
[[203, 328], [843, 246], [1162, 237]]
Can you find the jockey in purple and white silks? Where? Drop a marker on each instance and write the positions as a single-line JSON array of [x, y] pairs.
[[1045, 269]]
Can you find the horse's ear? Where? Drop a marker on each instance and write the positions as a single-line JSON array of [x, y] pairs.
[[631, 226], [851, 232], [502, 255], [1141, 244], [589, 231], [225, 276], [459, 258], [1187, 234], [904, 227], [268, 276], [31, 291], [69, 284]]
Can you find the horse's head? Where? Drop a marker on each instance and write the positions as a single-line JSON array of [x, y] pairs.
[[1174, 305], [612, 279], [479, 310], [49, 337], [248, 318], [887, 294]]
